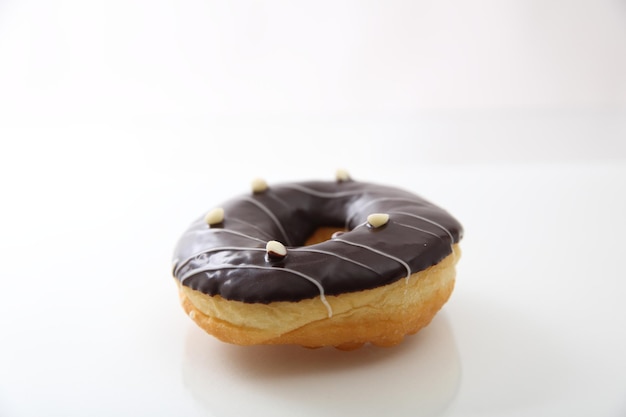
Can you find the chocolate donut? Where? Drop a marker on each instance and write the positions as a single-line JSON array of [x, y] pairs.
[[318, 263]]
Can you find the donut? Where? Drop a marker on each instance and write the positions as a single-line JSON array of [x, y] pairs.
[[318, 263]]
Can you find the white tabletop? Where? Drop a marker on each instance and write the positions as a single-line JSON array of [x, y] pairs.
[[121, 122], [91, 323]]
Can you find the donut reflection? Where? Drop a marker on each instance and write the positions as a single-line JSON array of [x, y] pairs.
[[419, 377]]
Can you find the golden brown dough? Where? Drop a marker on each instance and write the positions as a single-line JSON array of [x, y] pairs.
[[382, 316]]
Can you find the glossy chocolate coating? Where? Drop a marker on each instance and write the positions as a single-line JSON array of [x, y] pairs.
[[229, 259]]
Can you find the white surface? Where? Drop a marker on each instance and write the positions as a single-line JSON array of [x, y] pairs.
[[122, 121], [91, 325]]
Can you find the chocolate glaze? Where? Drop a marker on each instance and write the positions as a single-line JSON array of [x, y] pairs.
[[229, 259]]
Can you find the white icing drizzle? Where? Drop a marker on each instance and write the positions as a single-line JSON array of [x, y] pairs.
[[271, 268], [272, 216], [426, 220], [258, 229], [204, 252], [207, 268], [282, 201], [335, 255], [234, 232], [417, 228], [408, 268], [378, 200], [321, 193]]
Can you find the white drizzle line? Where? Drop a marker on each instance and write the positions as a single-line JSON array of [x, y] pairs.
[[336, 255], [234, 232], [426, 220], [417, 228], [377, 200], [276, 197], [321, 193], [217, 249], [308, 278], [408, 268], [258, 229], [272, 216]]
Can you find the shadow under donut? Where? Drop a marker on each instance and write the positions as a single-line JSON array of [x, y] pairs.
[[419, 377]]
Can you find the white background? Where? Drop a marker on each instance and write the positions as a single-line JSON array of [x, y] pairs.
[[121, 121]]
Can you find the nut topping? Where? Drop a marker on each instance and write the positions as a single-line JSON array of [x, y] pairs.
[[342, 175], [376, 220], [214, 217], [259, 185], [275, 250]]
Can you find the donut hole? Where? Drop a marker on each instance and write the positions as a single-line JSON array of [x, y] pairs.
[[322, 234]]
